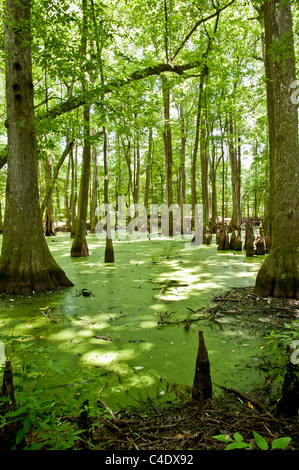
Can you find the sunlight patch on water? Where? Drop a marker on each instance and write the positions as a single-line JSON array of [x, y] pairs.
[[125, 305]]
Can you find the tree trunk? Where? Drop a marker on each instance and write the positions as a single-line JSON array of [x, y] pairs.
[[168, 151], [279, 274], [204, 172], [235, 176], [136, 181], [195, 151], [1, 224], [109, 251], [73, 201], [79, 246], [49, 219], [52, 178], [94, 192], [67, 199], [182, 167], [26, 263], [148, 169], [268, 64]]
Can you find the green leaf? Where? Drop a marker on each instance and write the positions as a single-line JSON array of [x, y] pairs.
[[27, 424], [238, 437], [236, 445], [260, 441], [222, 437], [20, 435], [281, 442]]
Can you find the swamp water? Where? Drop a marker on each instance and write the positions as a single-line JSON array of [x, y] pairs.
[[106, 330]]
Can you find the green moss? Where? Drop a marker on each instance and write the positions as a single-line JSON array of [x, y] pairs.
[[113, 332]]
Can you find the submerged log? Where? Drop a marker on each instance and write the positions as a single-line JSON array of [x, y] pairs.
[[202, 384]]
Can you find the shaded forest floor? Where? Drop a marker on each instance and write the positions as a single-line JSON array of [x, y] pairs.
[[185, 425]]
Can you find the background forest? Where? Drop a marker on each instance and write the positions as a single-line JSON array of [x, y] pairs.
[[214, 120]]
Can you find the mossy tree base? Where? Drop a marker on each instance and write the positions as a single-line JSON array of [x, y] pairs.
[[109, 251], [24, 278], [79, 247], [279, 275], [27, 264]]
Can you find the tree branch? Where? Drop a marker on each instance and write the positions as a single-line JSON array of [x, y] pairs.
[[201, 21], [92, 95], [51, 185]]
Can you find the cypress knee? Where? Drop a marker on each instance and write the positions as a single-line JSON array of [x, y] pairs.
[[202, 384]]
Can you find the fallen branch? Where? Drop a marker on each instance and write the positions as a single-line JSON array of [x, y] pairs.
[[104, 338], [104, 404], [254, 402]]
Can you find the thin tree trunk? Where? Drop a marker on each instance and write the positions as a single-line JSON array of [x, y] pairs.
[[67, 199], [148, 170], [54, 176], [182, 167], [49, 218], [74, 192], [79, 246], [204, 172], [168, 151], [94, 192], [235, 176], [109, 251], [196, 144]]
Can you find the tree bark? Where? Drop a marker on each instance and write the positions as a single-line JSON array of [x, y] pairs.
[[53, 177], [168, 151], [79, 246], [73, 201], [279, 274], [182, 167], [196, 143], [204, 172], [26, 263], [235, 176], [109, 250], [148, 168], [67, 199], [49, 219], [94, 192]]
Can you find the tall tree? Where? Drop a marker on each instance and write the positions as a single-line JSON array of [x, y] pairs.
[[79, 245], [235, 164], [167, 138], [279, 274], [26, 262]]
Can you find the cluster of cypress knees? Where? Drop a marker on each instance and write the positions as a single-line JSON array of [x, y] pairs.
[[254, 245]]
